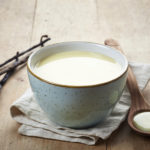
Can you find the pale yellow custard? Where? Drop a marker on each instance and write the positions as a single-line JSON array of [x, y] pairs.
[[77, 68], [142, 121]]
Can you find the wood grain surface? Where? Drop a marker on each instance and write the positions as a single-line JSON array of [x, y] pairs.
[[23, 22]]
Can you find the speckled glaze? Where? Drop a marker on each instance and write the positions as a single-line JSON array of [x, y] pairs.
[[72, 106]]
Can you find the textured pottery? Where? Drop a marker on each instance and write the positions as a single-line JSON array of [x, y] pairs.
[[77, 106]]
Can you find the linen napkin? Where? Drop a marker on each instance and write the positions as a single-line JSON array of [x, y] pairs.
[[34, 122]]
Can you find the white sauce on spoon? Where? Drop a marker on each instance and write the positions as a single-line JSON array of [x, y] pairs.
[[142, 121]]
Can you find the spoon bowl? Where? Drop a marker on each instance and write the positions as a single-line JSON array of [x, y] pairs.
[[138, 103]]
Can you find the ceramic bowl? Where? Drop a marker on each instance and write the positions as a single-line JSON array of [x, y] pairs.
[[77, 106]]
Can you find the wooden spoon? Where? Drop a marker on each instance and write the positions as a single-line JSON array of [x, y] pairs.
[[138, 103]]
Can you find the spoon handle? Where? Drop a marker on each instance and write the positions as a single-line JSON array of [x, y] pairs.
[[137, 99]]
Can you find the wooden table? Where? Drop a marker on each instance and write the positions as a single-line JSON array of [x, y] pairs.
[[23, 22]]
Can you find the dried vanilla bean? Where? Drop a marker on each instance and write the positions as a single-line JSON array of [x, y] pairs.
[[28, 50], [9, 66], [5, 78]]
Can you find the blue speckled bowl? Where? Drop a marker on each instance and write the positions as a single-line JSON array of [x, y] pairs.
[[77, 106]]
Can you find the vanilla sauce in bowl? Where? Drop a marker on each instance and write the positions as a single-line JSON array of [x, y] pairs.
[[77, 68]]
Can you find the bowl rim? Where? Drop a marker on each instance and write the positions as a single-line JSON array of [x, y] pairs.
[[77, 86]]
